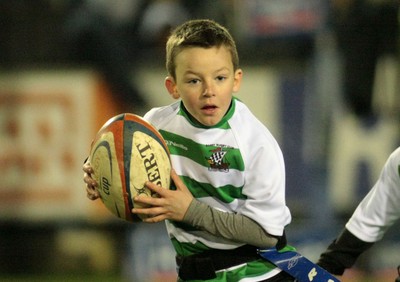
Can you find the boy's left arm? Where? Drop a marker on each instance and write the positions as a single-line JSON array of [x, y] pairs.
[[232, 226], [179, 205]]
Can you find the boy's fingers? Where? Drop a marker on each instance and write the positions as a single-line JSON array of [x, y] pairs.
[[155, 188], [91, 196], [179, 184], [175, 178], [152, 201]]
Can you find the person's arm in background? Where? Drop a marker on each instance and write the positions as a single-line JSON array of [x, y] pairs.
[[342, 253], [374, 215]]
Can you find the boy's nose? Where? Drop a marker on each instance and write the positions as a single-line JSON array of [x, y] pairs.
[[208, 90]]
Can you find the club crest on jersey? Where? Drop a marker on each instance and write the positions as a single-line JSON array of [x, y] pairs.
[[217, 160]]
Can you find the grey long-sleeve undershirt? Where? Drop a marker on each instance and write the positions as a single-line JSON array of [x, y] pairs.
[[231, 226]]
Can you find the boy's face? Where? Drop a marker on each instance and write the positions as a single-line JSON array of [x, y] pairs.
[[205, 81]]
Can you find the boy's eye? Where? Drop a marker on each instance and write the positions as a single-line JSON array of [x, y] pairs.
[[220, 78], [193, 81]]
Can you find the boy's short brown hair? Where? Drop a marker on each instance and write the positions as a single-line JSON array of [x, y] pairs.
[[202, 33]]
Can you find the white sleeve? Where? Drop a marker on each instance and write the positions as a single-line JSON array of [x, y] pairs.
[[380, 208], [264, 182]]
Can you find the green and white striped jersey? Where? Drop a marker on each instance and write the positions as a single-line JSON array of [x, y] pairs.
[[235, 166]]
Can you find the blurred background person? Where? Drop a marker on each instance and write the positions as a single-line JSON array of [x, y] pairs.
[[111, 36], [366, 33]]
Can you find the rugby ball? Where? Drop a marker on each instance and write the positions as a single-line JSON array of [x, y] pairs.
[[126, 152]]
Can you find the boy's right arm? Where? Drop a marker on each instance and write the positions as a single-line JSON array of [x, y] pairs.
[[91, 184]]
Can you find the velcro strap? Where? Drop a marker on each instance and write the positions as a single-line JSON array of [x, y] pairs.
[[196, 268], [203, 266]]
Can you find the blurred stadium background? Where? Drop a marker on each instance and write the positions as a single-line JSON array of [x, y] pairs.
[[67, 66]]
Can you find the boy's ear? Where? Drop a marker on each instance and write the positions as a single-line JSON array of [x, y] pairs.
[[237, 80], [171, 87]]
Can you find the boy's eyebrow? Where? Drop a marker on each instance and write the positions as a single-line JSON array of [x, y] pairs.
[[189, 72], [195, 73]]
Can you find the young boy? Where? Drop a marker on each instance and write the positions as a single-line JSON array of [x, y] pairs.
[[228, 170]]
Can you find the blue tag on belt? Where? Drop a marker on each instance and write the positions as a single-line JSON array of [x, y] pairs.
[[297, 266]]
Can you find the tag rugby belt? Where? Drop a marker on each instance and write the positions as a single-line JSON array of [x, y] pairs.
[[203, 266]]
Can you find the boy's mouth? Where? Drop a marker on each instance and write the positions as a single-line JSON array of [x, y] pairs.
[[206, 107], [209, 108]]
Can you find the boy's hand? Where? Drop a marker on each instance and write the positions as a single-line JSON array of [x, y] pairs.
[[170, 204], [91, 184]]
